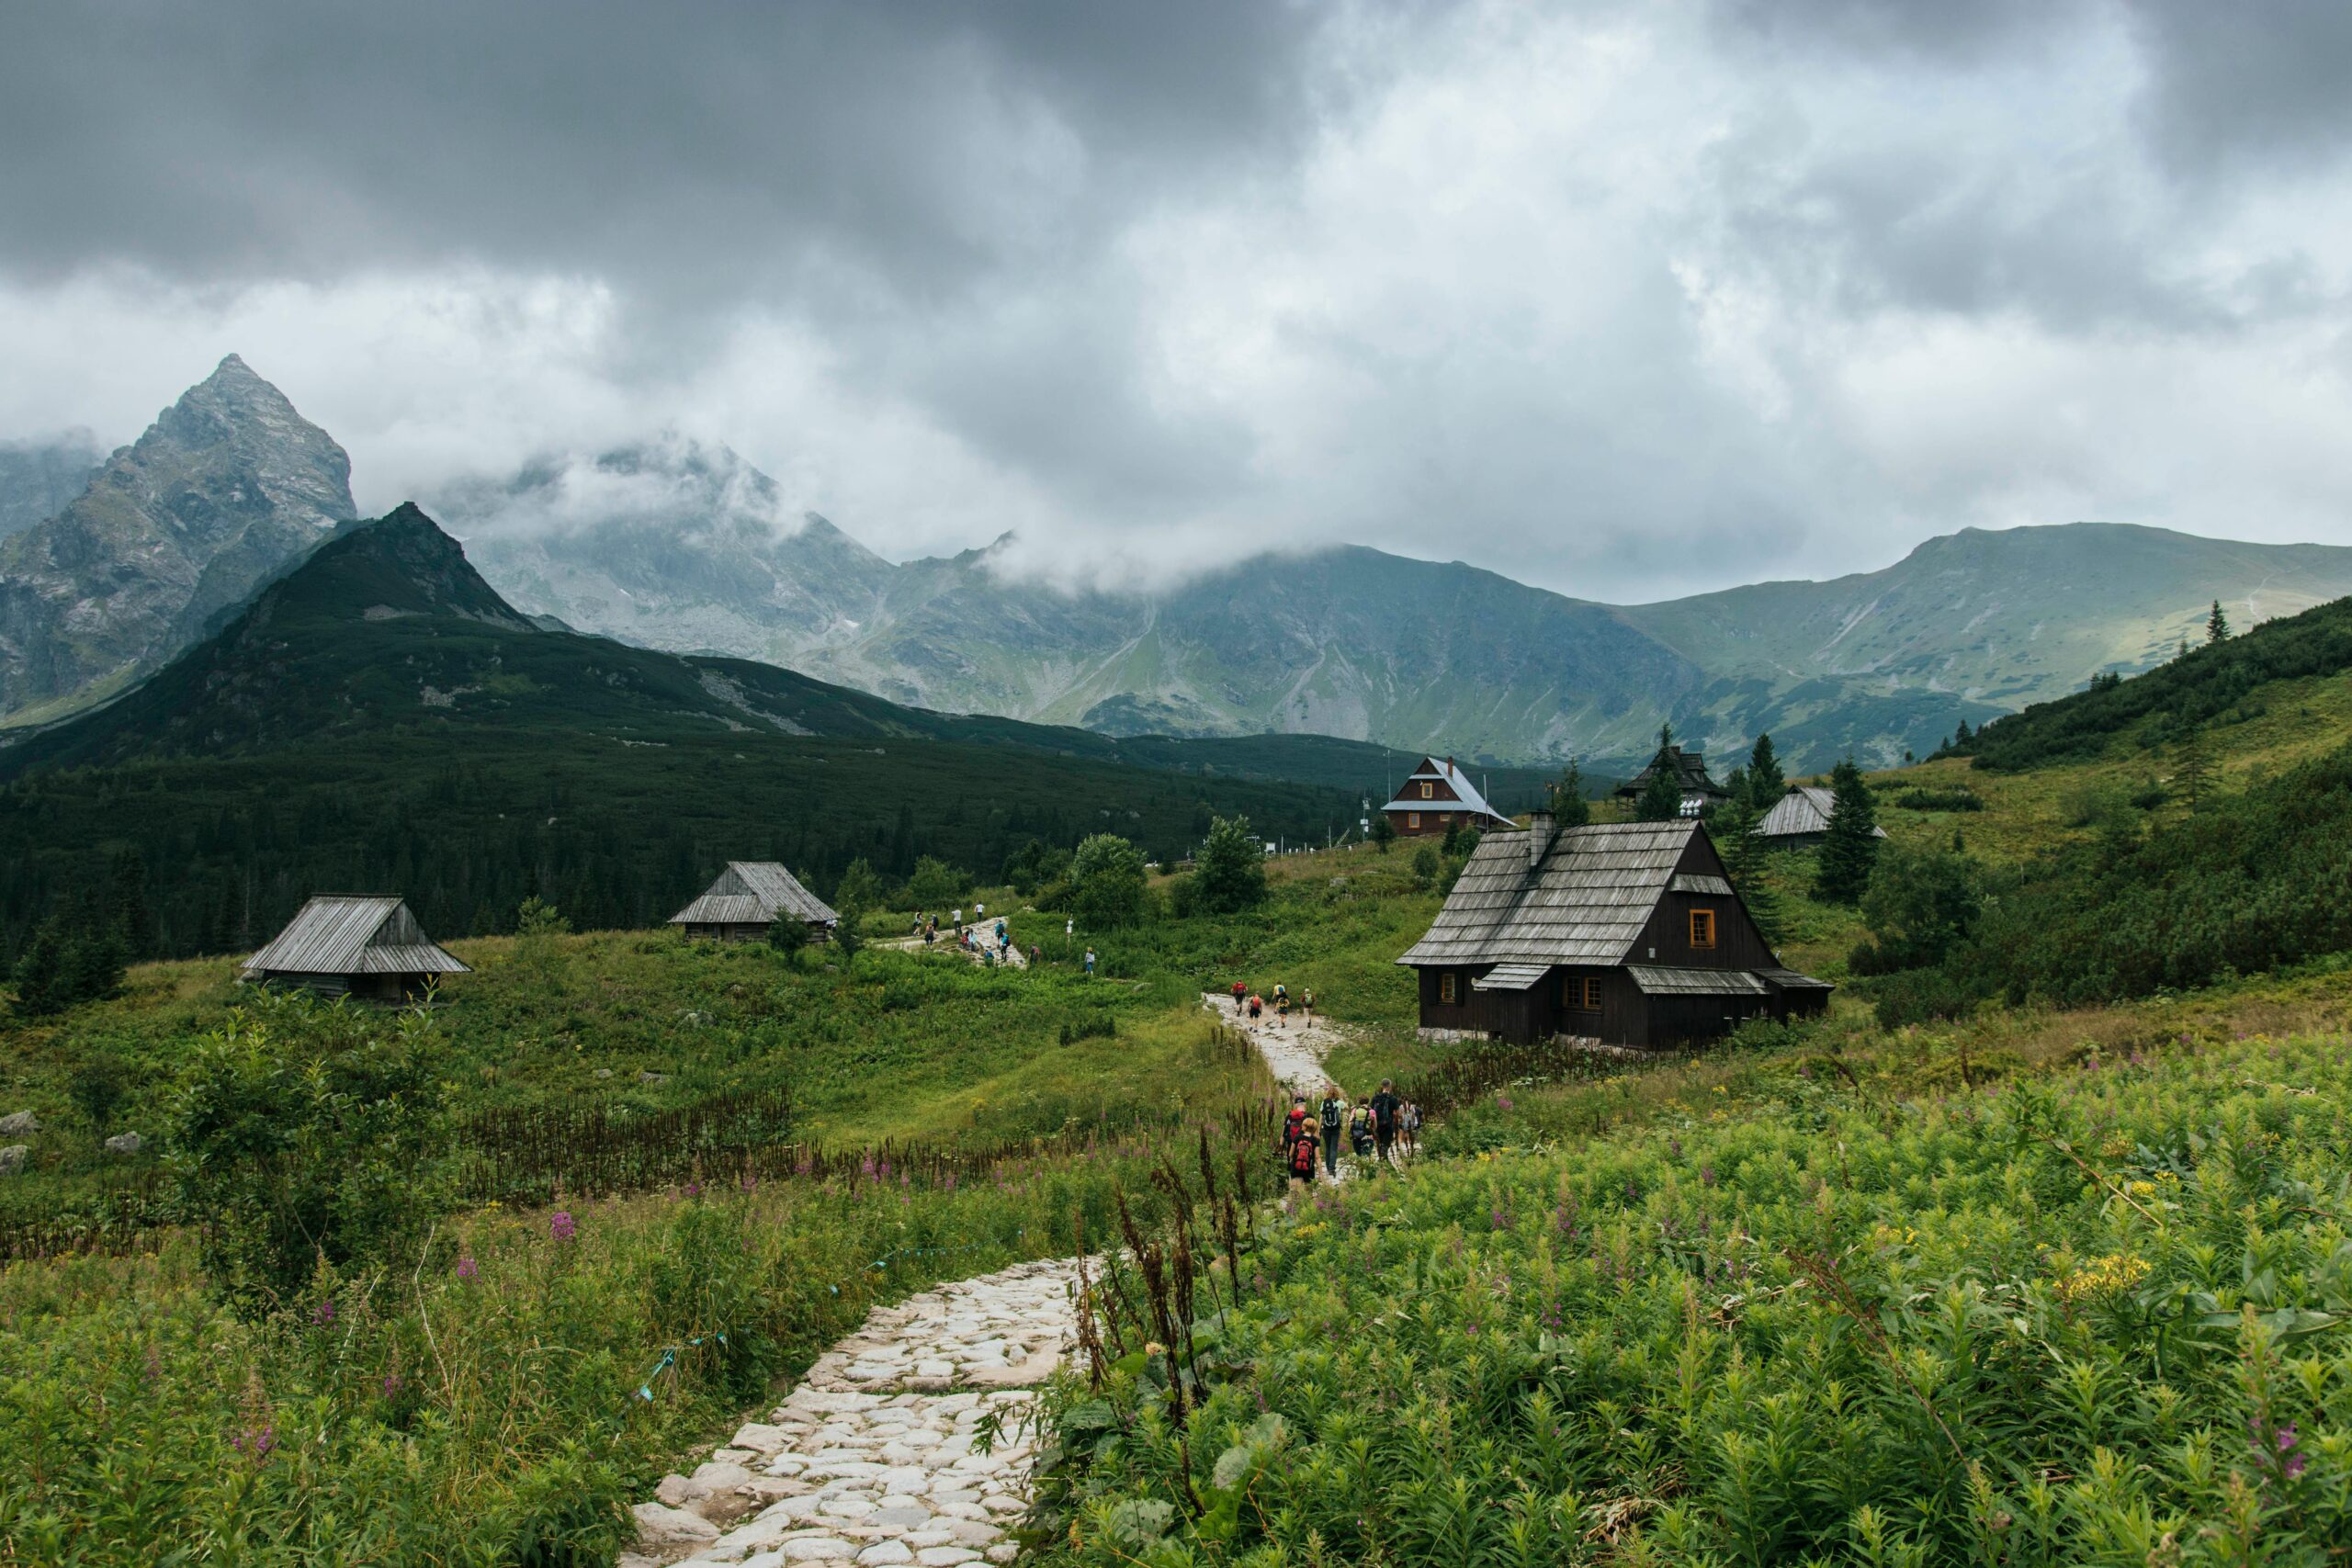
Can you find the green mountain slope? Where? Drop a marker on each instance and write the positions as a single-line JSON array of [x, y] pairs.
[[381, 718]]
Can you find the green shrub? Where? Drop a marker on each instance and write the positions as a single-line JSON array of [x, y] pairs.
[[1106, 882], [309, 1141], [1229, 874]]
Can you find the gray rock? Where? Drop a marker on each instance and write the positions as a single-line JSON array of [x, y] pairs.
[[12, 1158], [125, 1144], [651, 1077], [603, 1072], [659, 1525], [677, 1491], [18, 1125]]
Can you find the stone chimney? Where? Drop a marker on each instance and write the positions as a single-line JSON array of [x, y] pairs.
[[1539, 837]]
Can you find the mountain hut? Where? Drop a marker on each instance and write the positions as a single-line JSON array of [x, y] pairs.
[[1801, 817], [1619, 933], [749, 898], [1436, 798], [357, 947], [1690, 770]]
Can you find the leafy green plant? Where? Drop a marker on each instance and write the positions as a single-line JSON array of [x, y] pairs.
[[1230, 873], [1106, 881], [308, 1143]]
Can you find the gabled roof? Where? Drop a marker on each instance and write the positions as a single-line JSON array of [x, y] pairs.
[[1690, 774], [339, 934], [754, 893], [1450, 773], [1585, 904], [1805, 809]]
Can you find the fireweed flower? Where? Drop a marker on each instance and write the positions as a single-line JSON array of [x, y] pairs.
[[467, 1266], [324, 1314], [560, 1224], [694, 1188]]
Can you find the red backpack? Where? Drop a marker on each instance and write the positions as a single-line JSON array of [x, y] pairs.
[[1302, 1158]]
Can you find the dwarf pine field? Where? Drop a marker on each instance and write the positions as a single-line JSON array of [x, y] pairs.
[[2000, 1269]]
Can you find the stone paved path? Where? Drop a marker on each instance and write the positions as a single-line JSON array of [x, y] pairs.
[[1293, 1054], [873, 1458], [1012, 958]]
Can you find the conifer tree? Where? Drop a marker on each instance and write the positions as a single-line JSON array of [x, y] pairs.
[[2217, 624], [2193, 776], [1850, 848], [1569, 808], [1766, 782], [1384, 832], [1743, 856]]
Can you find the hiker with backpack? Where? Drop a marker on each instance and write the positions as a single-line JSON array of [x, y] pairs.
[[1300, 1159], [1334, 1117], [1294, 1122], [1240, 989], [1384, 1107], [1360, 1131]]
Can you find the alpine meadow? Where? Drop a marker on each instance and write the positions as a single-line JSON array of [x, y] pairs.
[[1221, 786]]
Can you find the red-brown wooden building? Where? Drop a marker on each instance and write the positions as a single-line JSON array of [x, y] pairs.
[[1624, 933], [1439, 797]]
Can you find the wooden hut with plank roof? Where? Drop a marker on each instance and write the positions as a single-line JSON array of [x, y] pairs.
[[1620, 934], [751, 896], [1436, 798], [343, 944], [1800, 819]]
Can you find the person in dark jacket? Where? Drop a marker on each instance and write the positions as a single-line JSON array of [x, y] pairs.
[[1334, 1118], [1384, 1107]]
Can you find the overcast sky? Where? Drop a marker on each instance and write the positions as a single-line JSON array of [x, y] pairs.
[[1624, 299]]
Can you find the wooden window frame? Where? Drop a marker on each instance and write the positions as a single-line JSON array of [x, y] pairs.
[[1703, 920], [1412, 819], [1580, 993], [1429, 792], [1449, 988]]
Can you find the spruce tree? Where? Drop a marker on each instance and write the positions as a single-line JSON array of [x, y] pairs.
[[2217, 624], [1744, 857], [2192, 777], [40, 971], [1384, 832], [1766, 782], [1569, 808], [1850, 848]]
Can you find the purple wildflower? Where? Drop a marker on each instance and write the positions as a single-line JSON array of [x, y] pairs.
[[694, 1188], [391, 1385], [2286, 1438], [1706, 1176], [324, 1314], [560, 1224], [467, 1266]]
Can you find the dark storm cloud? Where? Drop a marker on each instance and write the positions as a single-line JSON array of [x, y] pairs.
[[679, 146], [2232, 86]]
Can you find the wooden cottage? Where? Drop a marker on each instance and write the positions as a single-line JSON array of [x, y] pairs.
[[1622, 933], [1689, 770], [751, 896], [1439, 797], [1801, 817], [365, 947]]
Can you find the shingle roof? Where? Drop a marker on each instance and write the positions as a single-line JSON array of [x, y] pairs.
[[1711, 886], [1658, 980], [340, 934], [1445, 771], [1790, 980], [1587, 903], [1509, 977], [753, 893], [1805, 809]]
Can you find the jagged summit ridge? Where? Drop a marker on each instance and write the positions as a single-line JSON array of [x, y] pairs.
[[226, 487]]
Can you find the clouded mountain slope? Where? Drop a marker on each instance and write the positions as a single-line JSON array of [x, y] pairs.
[[681, 546], [226, 487], [38, 478]]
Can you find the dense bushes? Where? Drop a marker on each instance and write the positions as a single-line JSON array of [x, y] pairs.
[[2093, 1320], [308, 1145], [2261, 881]]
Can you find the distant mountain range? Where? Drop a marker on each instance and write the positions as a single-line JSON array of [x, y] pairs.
[[683, 547]]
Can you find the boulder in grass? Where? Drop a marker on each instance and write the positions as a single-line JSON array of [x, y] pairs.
[[12, 1158], [19, 1124], [125, 1144]]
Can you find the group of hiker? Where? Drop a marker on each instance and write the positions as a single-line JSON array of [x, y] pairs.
[[991, 943], [1249, 1003], [1381, 1128]]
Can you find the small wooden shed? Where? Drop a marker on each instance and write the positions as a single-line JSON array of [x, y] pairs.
[[751, 896], [1801, 817], [344, 944]]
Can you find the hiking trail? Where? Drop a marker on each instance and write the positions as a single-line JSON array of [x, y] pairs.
[[872, 1458]]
